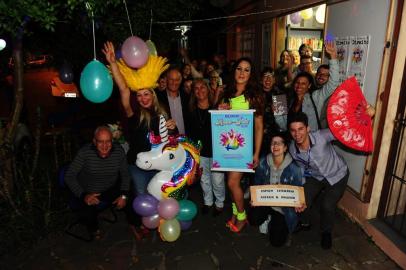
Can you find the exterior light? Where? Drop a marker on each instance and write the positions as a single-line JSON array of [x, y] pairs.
[[2, 44]]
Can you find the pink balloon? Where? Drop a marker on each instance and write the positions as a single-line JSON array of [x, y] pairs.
[[168, 208], [295, 18], [135, 52], [151, 222]]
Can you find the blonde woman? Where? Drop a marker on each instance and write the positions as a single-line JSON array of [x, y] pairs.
[[144, 118]]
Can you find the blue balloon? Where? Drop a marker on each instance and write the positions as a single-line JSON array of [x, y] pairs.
[[66, 73], [118, 54], [96, 82], [187, 210]]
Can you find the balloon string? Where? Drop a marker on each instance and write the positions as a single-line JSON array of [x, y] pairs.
[[150, 27], [94, 38], [128, 17], [89, 9]]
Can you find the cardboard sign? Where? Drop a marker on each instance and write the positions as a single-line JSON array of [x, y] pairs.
[[277, 195]]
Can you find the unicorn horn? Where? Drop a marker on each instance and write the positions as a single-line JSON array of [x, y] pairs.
[[163, 130]]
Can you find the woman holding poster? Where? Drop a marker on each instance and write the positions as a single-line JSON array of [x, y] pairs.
[[243, 93]]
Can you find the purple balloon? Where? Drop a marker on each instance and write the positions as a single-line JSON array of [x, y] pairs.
[[135, 52], [118, 54], [295, 18], [151, 222], [168, 208], [185, 224], [66, 73], [145, 205]]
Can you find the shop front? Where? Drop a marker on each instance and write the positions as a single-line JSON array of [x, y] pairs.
[[369, 35]]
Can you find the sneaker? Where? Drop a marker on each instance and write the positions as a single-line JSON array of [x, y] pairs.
[[263, 228], [205, 209], [326, 241], [302, 227], [217, 211], [288, 242]]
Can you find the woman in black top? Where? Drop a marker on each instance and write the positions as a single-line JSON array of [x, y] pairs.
[[199, 129]]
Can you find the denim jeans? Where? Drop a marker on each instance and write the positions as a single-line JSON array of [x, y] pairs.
[[140, 179], [212, 183], [330, 197]]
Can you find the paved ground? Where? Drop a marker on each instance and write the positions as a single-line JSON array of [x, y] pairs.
[[207, 245]]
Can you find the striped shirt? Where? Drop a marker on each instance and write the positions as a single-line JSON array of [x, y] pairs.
[[90, 173]]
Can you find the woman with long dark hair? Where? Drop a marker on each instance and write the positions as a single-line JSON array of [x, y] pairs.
[[312, 103], [243, 93], [277, 167]]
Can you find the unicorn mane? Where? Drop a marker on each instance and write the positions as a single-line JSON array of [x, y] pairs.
[[184, 175]]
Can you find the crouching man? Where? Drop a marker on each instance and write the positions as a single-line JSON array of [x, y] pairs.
[[98, 174], [324, 170]]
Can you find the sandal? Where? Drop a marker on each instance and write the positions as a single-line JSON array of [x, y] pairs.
[[242, 220], [230, 222]]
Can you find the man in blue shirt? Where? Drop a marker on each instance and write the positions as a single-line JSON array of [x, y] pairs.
[[324, 170]]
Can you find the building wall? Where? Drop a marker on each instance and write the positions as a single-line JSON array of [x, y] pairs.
[[355, 208]]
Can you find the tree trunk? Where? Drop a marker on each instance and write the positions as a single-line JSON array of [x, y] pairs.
[[8, 137]]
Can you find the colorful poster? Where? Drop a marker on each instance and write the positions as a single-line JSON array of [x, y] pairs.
[[358, 50], [342, 44], [232, 135]]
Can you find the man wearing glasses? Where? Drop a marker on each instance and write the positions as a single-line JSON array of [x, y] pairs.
[[98, 174]]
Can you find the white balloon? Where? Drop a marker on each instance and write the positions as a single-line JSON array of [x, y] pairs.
[[321, 13], [2, 44]]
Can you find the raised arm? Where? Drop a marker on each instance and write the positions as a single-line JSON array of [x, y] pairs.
[[109, 52], [323, 94], [195, 74]]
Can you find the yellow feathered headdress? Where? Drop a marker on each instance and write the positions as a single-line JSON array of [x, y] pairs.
[[145, 77]]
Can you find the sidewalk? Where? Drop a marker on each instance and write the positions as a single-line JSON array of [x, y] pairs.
[[207, 245]]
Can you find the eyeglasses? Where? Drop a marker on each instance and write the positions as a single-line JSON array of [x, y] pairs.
[[214, 77], [277, 144]]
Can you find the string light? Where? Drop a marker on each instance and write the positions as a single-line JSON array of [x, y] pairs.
[[281, 10]]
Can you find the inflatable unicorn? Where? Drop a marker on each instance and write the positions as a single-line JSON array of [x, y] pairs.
[[176, 157]]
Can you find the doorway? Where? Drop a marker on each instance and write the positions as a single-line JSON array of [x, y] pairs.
[[392, 208]]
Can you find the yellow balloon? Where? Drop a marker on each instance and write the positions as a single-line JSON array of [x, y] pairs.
[[307, 13]]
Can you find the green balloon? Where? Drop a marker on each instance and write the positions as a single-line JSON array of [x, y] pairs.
[[170, 230], [151, 47], [187, 210]]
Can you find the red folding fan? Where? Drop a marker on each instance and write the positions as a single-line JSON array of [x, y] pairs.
[[347, 117]]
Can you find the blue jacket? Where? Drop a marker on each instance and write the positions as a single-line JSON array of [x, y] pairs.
[[291, 175]]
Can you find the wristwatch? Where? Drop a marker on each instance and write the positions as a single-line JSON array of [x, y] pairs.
[[124, 197]]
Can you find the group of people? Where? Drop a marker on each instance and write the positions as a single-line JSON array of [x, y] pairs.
[[290, 144]]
